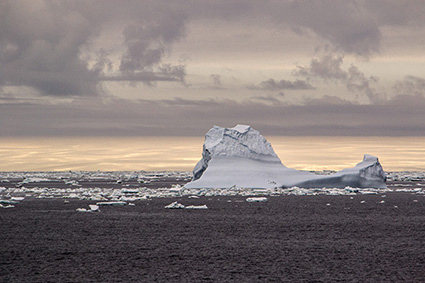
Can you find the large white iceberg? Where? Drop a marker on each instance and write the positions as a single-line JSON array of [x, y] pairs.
[[241, 157]]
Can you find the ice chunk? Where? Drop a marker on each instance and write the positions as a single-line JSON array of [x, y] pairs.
[[242, 158], [111, 203], [17, 198], [7, 201], [256, 199], [6, 206], [175, 205], [196, 207], [94, 208]]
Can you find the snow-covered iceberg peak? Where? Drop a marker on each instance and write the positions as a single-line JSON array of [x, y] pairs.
[[241, 141]]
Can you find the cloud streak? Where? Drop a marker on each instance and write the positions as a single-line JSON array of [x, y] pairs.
[[272, 85]]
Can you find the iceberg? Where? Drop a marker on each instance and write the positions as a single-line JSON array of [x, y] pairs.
[[241, 157]]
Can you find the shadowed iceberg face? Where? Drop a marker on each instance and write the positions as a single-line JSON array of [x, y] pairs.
[[242, 157]]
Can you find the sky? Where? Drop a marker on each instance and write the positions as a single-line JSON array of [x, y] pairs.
[[83, 68]]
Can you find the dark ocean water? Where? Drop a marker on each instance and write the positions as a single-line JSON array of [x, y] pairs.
[[287, 239]]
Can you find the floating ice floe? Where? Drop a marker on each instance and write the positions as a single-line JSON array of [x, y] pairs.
[[256, 199], [112, 203], [196, 207], [17, 198], [8, 201], [99, 193], [93, 208], [35, 180], [175, 205], [241, 157], [6, 206]]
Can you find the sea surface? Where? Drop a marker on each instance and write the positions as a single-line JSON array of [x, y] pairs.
[[321, 235], [287, 239]]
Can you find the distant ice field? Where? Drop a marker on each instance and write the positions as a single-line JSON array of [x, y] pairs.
[[129, 186]]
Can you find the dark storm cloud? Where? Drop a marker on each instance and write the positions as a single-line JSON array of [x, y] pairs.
[[39, 47], [272, 85], [57, 48], [146, 44], [41, 44], [329, 68]]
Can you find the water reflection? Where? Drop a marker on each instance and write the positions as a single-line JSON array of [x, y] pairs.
[[182, 153]]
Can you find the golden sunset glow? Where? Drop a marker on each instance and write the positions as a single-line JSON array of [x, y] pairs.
[[182, 153]]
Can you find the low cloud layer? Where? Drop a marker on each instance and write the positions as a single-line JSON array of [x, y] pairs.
[[121, 117]]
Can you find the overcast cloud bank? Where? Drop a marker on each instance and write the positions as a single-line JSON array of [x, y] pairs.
[[68, 67]]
